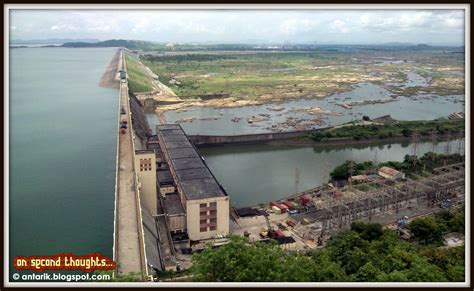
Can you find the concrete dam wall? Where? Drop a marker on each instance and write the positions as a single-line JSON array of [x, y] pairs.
[[202, 140], [140, 123]]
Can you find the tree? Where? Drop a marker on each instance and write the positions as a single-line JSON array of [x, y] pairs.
[[366, 118], [349, 250], [426, 230], [367, 273], [368, 232], [341, 172], [407, 132], [244, 261]]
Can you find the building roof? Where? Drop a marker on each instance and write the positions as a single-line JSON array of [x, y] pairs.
[[172, 205], [191, 163], [182, 153], [164, 177], [148, 151], [190, 170], [389, 171], [360, 178], [167, 126]]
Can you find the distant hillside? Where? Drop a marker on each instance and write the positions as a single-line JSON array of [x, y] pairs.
[[50, 41], [153, 46], [130, 44]]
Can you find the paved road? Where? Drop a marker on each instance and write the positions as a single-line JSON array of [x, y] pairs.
[[127, 231]]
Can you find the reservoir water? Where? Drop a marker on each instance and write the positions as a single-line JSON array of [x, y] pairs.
[[257, 174], [62, 152]]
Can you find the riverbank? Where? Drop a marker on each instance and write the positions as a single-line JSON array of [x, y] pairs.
[[362, 132], [109, 78], [352, 142], [304, 141]]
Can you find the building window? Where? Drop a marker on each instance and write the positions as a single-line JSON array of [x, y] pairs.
[[202, 221], [213, 204], [203, 205], [213, 212], [145, 164], [212, 228], [203, 229], [202, 213], [213, 220]]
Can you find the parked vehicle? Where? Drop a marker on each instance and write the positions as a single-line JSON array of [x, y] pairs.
[[122, 110]]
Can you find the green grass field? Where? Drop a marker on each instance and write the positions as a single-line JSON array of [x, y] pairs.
[[279, 75], [138, 80]]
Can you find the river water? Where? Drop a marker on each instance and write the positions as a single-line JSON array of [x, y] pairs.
[[62, 152], [257, 174], [419, 107]]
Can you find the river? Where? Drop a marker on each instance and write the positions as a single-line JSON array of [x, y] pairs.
[[62, 152], [419, 107], [257, 174]]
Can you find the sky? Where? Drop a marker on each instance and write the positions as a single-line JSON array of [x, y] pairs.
[[445, 27]]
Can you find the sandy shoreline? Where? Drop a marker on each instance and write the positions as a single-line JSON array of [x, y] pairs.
[[109, 78]]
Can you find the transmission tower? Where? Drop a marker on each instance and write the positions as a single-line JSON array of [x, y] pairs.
[[434, 140], [447, 149], [325, 171], [460, 144], [375, 158], [351, 171], [415, 141], [297, 180]]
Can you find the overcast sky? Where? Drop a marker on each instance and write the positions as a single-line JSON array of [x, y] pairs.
[[260, 26]]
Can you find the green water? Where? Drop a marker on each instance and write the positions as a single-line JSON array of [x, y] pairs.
[[257, 174], [62, 152]]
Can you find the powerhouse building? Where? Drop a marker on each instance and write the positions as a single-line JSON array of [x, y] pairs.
[[199, 195]]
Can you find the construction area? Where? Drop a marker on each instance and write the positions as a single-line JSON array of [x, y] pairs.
[[309, 218]]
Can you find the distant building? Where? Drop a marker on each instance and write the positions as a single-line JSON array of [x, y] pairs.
[[390, 173]]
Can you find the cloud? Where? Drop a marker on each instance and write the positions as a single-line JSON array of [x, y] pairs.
[[243, 25], [64, 27], [339, 26], [293, 26]]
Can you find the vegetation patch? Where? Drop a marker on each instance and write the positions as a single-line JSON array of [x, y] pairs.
[[383, 131], [138, 80], [366, 253]]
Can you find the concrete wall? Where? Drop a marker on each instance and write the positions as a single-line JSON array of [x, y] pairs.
[[145, 166], [167, 190], [246, 138], [194, 218], [177, 223]]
